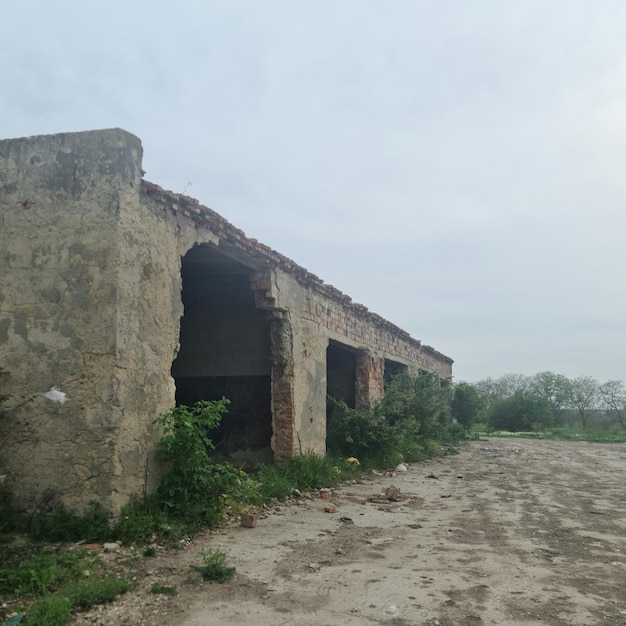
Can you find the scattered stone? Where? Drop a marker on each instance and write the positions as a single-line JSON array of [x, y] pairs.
[[354, 499], [431, 475], [401, 468], [325, 494], [393, 493], [248, 520], [111, 547], [330, 509]]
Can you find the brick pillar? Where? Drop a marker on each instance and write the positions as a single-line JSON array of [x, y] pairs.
[[281, 361], [370, 381]]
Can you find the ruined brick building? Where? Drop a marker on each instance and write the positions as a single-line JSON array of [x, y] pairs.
[[129, 298]]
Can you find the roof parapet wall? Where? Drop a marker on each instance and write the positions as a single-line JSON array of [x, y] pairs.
[[203, 216]]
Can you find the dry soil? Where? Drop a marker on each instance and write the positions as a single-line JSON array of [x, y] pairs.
[[508, 532]]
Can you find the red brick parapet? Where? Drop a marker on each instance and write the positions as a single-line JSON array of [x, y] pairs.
[[203, 216]]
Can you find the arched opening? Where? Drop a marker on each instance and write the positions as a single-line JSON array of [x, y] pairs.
[[225, 351]]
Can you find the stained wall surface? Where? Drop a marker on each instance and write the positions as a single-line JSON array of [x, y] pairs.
[[98, 267]]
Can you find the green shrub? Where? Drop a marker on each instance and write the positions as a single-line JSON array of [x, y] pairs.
[[274, 482], [60, 525], [163, 589], [192, 486], [214, 566], [523, 411], [29, 570], [368, 436], [303, 472], [413, 412], [50, 611], [141, 520], [89, 591]]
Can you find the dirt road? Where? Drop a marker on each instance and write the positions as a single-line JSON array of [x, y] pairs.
[[532, 532]]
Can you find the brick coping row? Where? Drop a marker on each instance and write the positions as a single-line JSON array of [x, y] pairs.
[[204, 216]]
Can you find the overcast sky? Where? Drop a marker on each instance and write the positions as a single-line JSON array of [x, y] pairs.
[[458, 167]]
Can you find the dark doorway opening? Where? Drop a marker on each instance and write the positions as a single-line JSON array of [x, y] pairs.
[[340, 379], [224, 352], [341, 374]]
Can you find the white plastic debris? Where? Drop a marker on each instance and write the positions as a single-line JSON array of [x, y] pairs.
[[401, 468], [55, 395]]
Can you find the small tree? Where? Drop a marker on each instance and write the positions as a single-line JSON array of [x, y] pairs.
[[613, 398], [466, 405], [492, 390], [524, 411], [555, 389], [412, 415], [584, 397]]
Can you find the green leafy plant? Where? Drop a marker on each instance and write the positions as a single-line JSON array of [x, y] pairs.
[[50, 611], [303, 472], [214, 566], [409, 423], [163, 589], [190, 489], [46, 583], [523, 411], [61, 525], [195, 489], [89, 591], [31, 570]]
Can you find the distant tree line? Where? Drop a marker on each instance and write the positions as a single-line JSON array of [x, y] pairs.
[[516, 402]]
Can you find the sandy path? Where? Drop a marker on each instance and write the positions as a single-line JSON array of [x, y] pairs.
[[534, 532]]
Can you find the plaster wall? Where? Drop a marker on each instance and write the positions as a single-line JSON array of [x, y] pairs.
[[60, 198], [90, 301]]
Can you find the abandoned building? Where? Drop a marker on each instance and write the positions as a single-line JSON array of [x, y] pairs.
[[127, 299]]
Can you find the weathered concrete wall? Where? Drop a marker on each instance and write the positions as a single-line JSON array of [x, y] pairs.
[[90, 301], [64, 277]]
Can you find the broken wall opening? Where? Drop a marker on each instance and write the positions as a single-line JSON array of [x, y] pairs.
[[225, 351], [393, 369]]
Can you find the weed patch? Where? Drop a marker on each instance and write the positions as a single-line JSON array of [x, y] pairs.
[[304, 472], [214, 566], [163, 589], [46, 583], [49, 611]]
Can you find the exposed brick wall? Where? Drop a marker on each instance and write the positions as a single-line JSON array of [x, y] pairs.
[[282, 373], [325, 305], [370, 383]]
